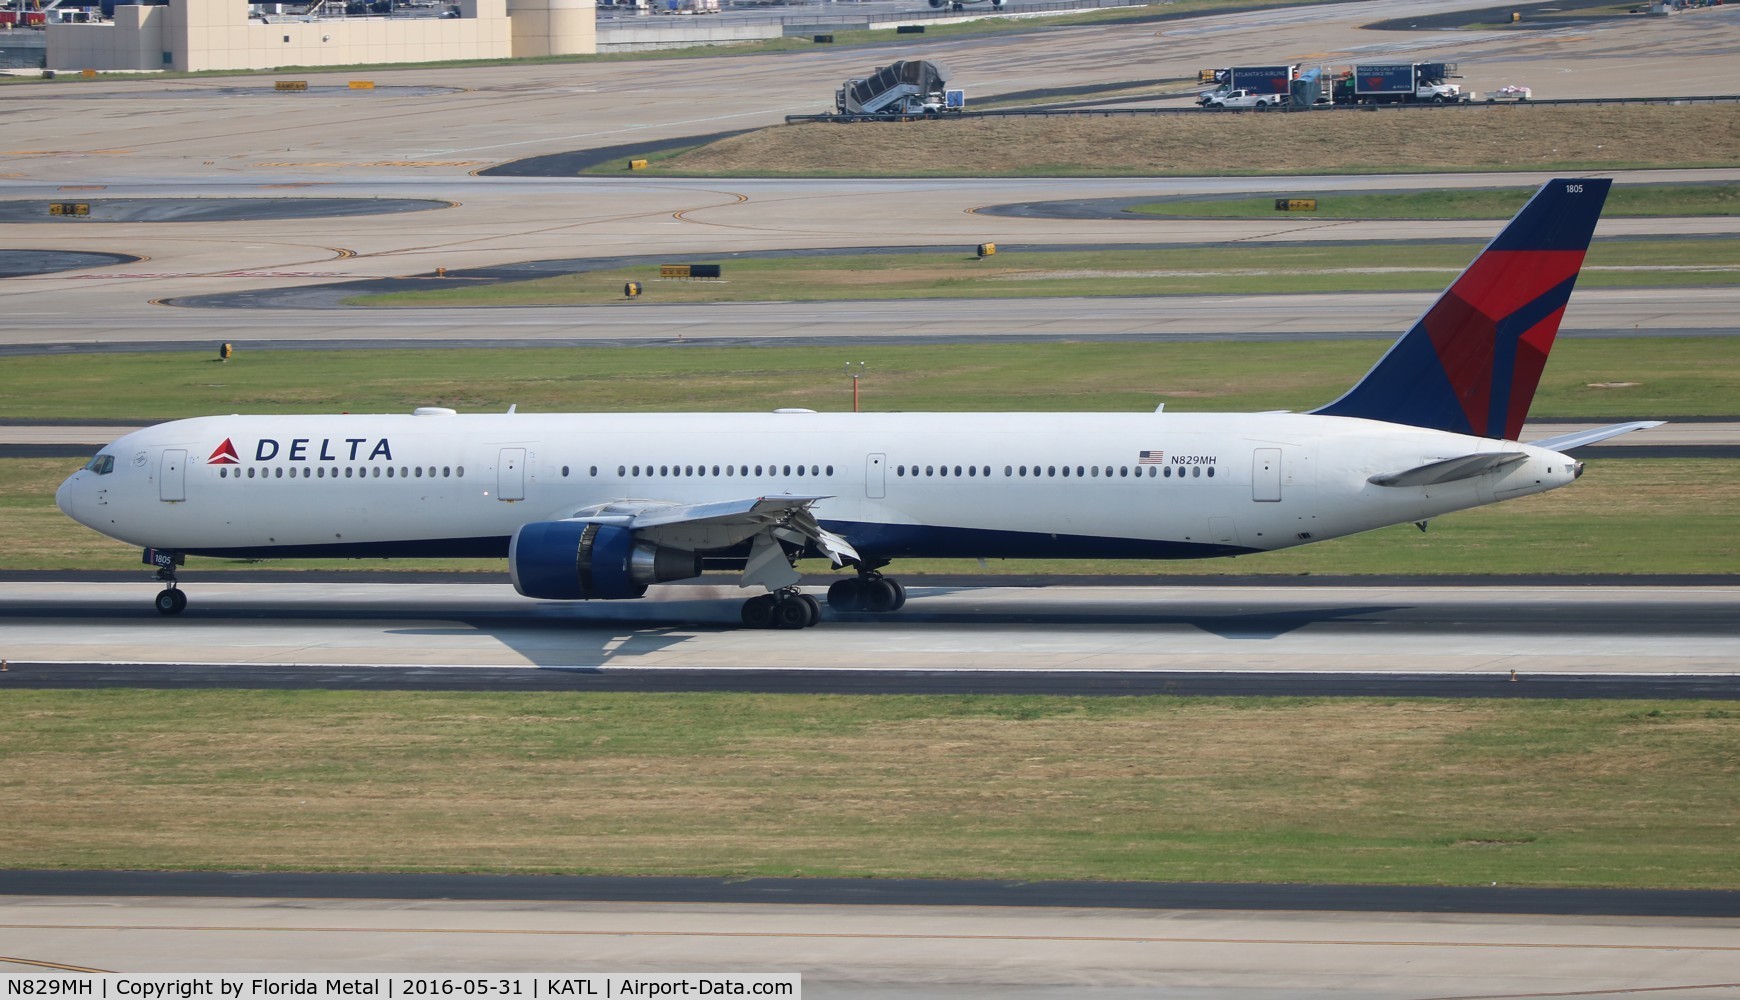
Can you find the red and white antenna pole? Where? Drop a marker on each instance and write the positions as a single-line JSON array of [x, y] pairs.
[[856, 375]]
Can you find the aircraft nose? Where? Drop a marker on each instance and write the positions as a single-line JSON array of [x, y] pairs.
[[64, 497]]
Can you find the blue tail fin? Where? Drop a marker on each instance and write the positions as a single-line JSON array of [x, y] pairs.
[[1472, 362]]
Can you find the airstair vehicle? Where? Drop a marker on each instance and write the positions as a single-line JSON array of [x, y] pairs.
[[908, 87]]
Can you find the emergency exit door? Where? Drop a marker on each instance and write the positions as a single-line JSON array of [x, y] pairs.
[[510, 475], [1266, 475], [876, 476]]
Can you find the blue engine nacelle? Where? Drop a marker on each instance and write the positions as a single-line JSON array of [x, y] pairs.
[[580, 560]]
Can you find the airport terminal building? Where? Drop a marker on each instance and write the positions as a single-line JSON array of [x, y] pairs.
[[192, 35]]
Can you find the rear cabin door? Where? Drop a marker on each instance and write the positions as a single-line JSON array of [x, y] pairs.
[[172, 482], [510, 475], [876, 476], [1266, 475]]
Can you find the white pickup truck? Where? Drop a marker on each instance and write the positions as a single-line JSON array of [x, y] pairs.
[[1242, 99]]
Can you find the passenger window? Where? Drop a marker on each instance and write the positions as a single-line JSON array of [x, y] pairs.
[[389, 472], [1196, 472], [420, 472], [446, 472], [459, 472], [564, 472], [1211, 472], [593, 472]]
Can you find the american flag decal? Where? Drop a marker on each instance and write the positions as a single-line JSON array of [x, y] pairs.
[[1151, 458]]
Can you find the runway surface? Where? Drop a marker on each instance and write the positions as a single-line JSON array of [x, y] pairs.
[[878, 951], [1603, 641]]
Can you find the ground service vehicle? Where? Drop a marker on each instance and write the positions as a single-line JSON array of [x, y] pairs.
[[1244, 99], [908, 87], [1400, 83], [1269, 81]]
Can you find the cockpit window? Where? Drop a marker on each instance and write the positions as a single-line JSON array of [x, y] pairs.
[[102, 465]]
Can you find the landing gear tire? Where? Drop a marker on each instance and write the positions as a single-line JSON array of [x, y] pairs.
[[758, 611], [846, 595], [880, 597], [795, 612], [875, 594], [171, 602]]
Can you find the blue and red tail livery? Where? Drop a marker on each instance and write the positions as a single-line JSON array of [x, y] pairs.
[[1470, 365]]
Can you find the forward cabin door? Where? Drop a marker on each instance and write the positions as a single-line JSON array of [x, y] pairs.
[[876, 476], [172, 483], [1266, 475], [510, 475]]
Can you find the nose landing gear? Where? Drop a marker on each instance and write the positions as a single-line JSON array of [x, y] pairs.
[[170, 600]]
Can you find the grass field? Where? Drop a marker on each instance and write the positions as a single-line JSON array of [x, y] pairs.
[[1625, 200], [1672, 376], [1286, 790], [958, 273], [1501, 137]]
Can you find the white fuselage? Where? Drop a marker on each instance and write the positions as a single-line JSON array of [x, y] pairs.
[[1143, 485]]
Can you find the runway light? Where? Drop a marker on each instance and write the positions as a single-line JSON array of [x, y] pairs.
[[1513, 676]]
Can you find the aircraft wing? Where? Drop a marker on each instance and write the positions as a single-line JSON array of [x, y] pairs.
[[1578, 439], [722, 524]]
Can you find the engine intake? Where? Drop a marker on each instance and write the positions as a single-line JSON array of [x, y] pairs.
[[580, 560]]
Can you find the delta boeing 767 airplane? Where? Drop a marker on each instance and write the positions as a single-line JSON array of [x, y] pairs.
[[599, 506]]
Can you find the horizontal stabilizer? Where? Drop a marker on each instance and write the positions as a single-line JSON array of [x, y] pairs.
[[1450, 469], [1579, 439]]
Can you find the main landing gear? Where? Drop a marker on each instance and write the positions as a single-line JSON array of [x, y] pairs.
[[170, 600], [871, 592], [785, 608]]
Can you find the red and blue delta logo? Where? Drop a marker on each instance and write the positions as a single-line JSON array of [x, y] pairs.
[[225, 454]]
